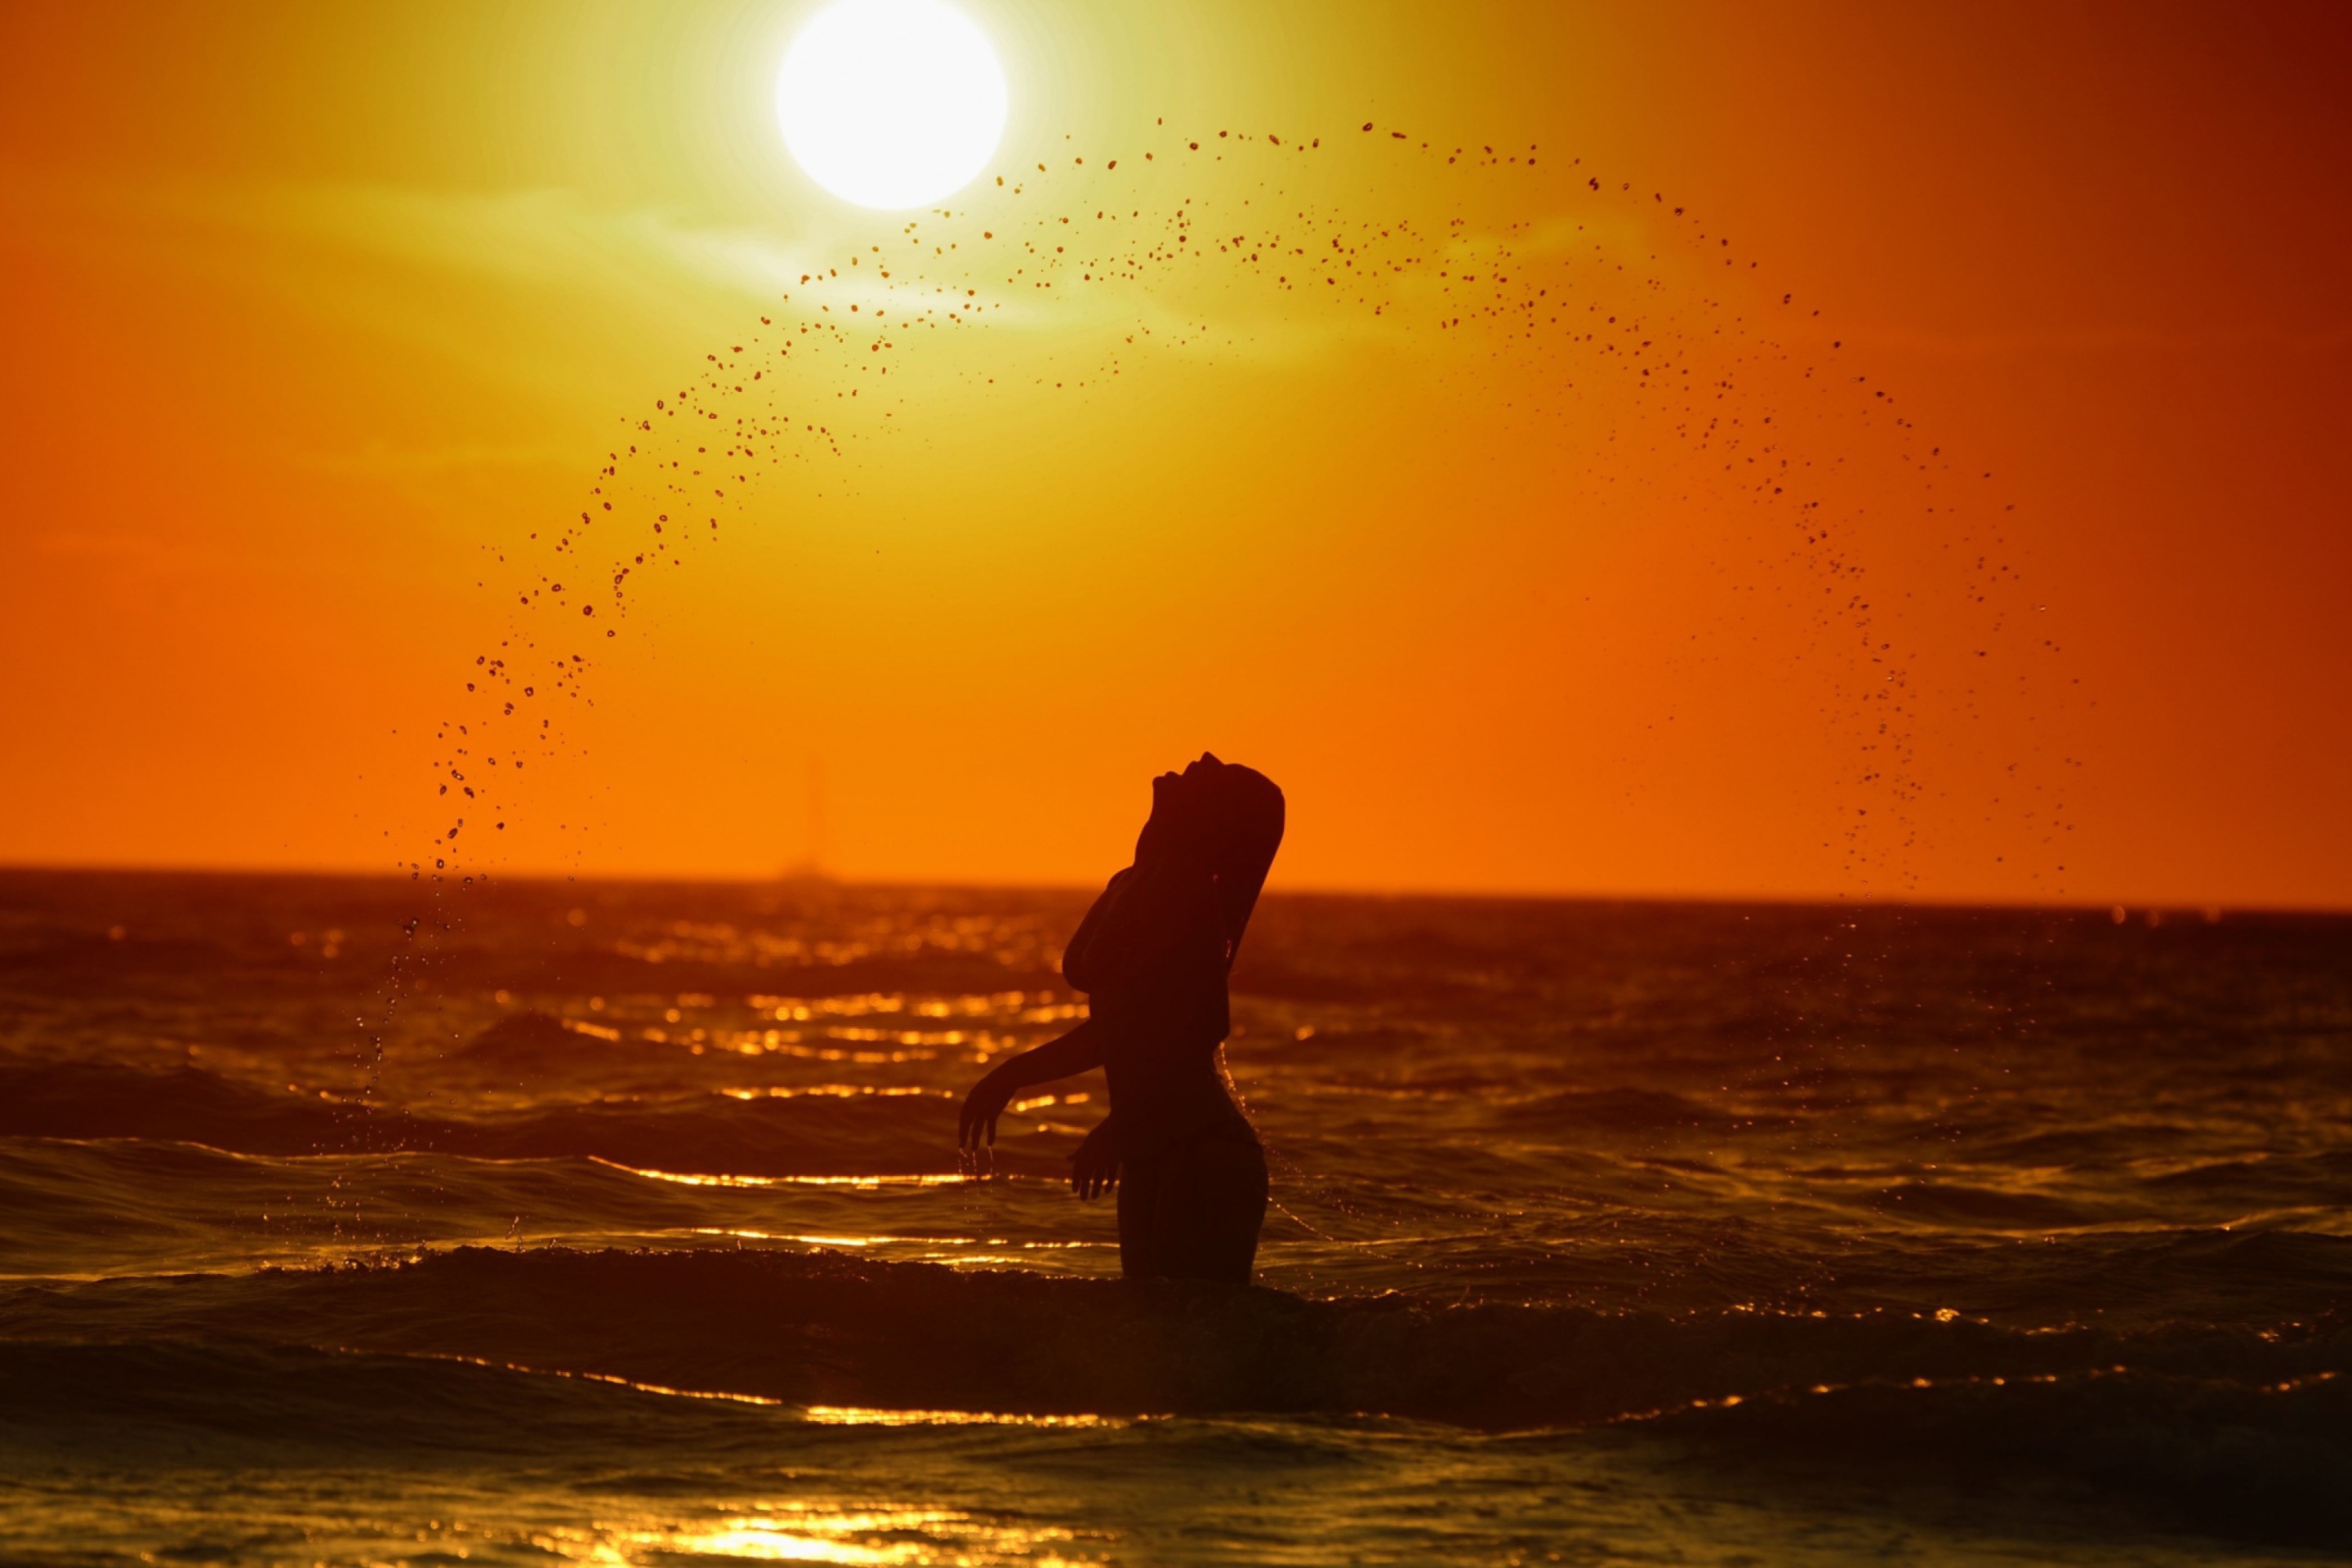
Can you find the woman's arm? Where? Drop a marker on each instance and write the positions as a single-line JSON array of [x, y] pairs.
[[1080, 1050]]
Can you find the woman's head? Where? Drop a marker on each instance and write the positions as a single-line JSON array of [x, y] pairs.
[[1200, 863], [1222, 820]]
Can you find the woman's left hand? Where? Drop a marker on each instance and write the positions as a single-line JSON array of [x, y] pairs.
[[981, 1107]]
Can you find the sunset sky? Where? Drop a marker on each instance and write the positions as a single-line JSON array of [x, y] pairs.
[[315, 316]]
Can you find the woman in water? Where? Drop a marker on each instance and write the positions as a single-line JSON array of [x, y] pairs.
[[1152, 956]]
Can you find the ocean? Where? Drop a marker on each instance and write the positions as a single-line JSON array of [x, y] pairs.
[[368, 1221]]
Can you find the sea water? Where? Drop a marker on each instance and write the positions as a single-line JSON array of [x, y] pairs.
[[627, 1227]]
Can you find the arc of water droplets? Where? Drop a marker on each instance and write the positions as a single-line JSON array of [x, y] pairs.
[[694, 457]]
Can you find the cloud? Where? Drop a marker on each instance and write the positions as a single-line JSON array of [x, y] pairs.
[[539, 235]]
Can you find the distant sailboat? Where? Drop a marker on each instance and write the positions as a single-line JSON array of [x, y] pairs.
[[810, 866]]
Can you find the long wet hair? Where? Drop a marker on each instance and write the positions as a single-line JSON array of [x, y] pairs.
[[1179, 911]]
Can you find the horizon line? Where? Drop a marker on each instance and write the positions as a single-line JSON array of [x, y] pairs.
[[2210, 909]]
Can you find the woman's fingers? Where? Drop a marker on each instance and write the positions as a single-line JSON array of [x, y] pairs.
[[976, 1119]]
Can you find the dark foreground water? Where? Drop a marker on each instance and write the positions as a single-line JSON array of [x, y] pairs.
[[1605, 1233]]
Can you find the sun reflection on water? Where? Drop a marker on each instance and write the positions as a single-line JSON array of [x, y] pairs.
[[690, 1179], [953, 1251], [836, 1091], [864, 1415], [789, 1533]]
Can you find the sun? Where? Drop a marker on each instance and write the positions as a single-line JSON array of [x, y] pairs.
[[891, 104]]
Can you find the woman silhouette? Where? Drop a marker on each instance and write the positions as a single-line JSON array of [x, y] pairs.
[[1152, 956]]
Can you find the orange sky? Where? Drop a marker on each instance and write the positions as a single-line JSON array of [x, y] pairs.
[[314, 315]]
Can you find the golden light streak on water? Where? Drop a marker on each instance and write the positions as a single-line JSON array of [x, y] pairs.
[[837, 1091], [786, 1533], [1043, 1100], [664, 1389], [863, 1416], [815, 1240], [690, 1180]]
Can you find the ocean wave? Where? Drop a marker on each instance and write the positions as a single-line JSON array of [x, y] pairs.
[[818, 1327], [696, 1133], [1621, 1109], [78, 965], [2258, 1465], [1958, 1204], [124, 1402], [2270, 1463]]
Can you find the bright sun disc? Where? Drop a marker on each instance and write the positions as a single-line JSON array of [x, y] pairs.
[[891, 104]]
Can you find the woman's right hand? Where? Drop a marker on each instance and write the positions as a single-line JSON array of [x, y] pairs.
[[1094, 1165]]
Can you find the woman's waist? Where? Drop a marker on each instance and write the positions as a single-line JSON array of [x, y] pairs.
[[1154, 1115], [1173, 1013], [1188, 1151], [1171, 1070]]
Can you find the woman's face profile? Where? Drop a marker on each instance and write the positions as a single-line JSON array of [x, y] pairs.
[[1177, 798], [1205, 764]]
